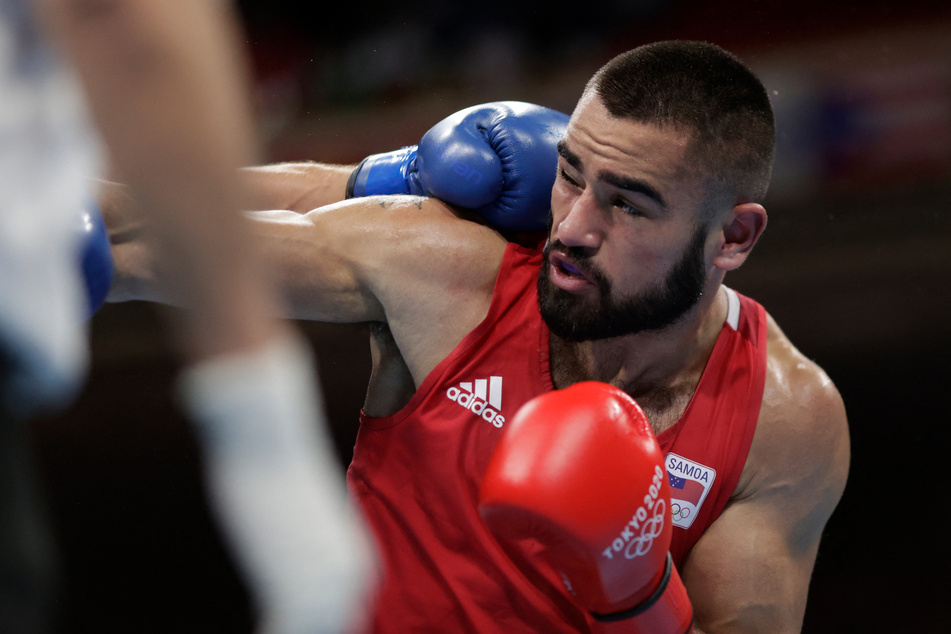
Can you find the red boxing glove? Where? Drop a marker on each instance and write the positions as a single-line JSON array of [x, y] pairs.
[[580, 471]]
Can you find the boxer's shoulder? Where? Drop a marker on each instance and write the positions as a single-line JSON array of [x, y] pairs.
[[435, 276], [798, 393], [800, 450]]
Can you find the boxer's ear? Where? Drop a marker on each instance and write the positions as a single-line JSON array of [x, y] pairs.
[[739, 233]]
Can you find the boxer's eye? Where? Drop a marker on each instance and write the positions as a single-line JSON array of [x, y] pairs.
[[627, 207], [567, 177]]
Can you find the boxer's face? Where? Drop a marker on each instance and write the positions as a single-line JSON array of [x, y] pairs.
[[627, 248]]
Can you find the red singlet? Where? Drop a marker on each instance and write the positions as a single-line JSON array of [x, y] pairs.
[[417, 473]]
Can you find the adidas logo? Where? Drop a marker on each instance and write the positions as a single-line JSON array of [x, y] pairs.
[[482, 397]]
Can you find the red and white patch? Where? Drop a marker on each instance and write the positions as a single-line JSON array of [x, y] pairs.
[[690, 482]]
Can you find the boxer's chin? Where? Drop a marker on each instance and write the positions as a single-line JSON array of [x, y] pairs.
[[571, 316]]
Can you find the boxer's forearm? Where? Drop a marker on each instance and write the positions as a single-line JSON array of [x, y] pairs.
[[298, 186]]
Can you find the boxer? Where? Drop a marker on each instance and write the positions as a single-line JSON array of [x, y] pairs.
[[655, 198]]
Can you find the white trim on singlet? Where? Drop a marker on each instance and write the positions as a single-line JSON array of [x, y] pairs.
[[733, 308]]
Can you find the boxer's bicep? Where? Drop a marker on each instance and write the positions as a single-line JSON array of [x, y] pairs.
[[750, 570], [317, 261], [744, 576], [370, 259]]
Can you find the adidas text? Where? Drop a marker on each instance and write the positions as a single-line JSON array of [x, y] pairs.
[[476, 405]]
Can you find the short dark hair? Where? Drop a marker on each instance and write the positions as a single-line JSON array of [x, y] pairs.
[[701, 89]]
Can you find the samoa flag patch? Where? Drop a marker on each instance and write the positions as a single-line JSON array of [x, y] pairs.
[[690, 482]]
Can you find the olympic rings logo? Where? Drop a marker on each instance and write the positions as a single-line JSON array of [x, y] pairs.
[[645, 525], [651, 530], [679, 512]]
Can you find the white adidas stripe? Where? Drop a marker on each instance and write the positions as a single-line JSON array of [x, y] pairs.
[[489, 390]]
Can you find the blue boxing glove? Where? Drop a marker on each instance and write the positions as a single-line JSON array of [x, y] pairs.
[[95, 256], [497, 159]]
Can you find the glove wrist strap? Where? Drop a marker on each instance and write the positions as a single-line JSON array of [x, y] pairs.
[[387, 173], [353, 179], [672, 610]]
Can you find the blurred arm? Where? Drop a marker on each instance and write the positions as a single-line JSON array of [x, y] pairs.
[[167, 91], [154, 72]]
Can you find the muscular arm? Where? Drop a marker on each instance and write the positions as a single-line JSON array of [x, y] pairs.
[[750, 571], [411, 262]]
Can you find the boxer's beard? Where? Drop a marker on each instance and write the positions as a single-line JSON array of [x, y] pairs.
[[576, 318]]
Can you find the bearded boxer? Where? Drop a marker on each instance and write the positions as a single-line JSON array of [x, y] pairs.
[[658, 183]]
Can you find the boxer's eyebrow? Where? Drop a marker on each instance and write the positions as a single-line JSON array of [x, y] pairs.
[[568, 155], [633, 185]]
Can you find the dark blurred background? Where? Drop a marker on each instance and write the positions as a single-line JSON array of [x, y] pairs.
[[853, 266]]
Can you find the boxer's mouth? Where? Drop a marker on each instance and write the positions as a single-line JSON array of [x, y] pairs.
[[565, 272], [570, 269]]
